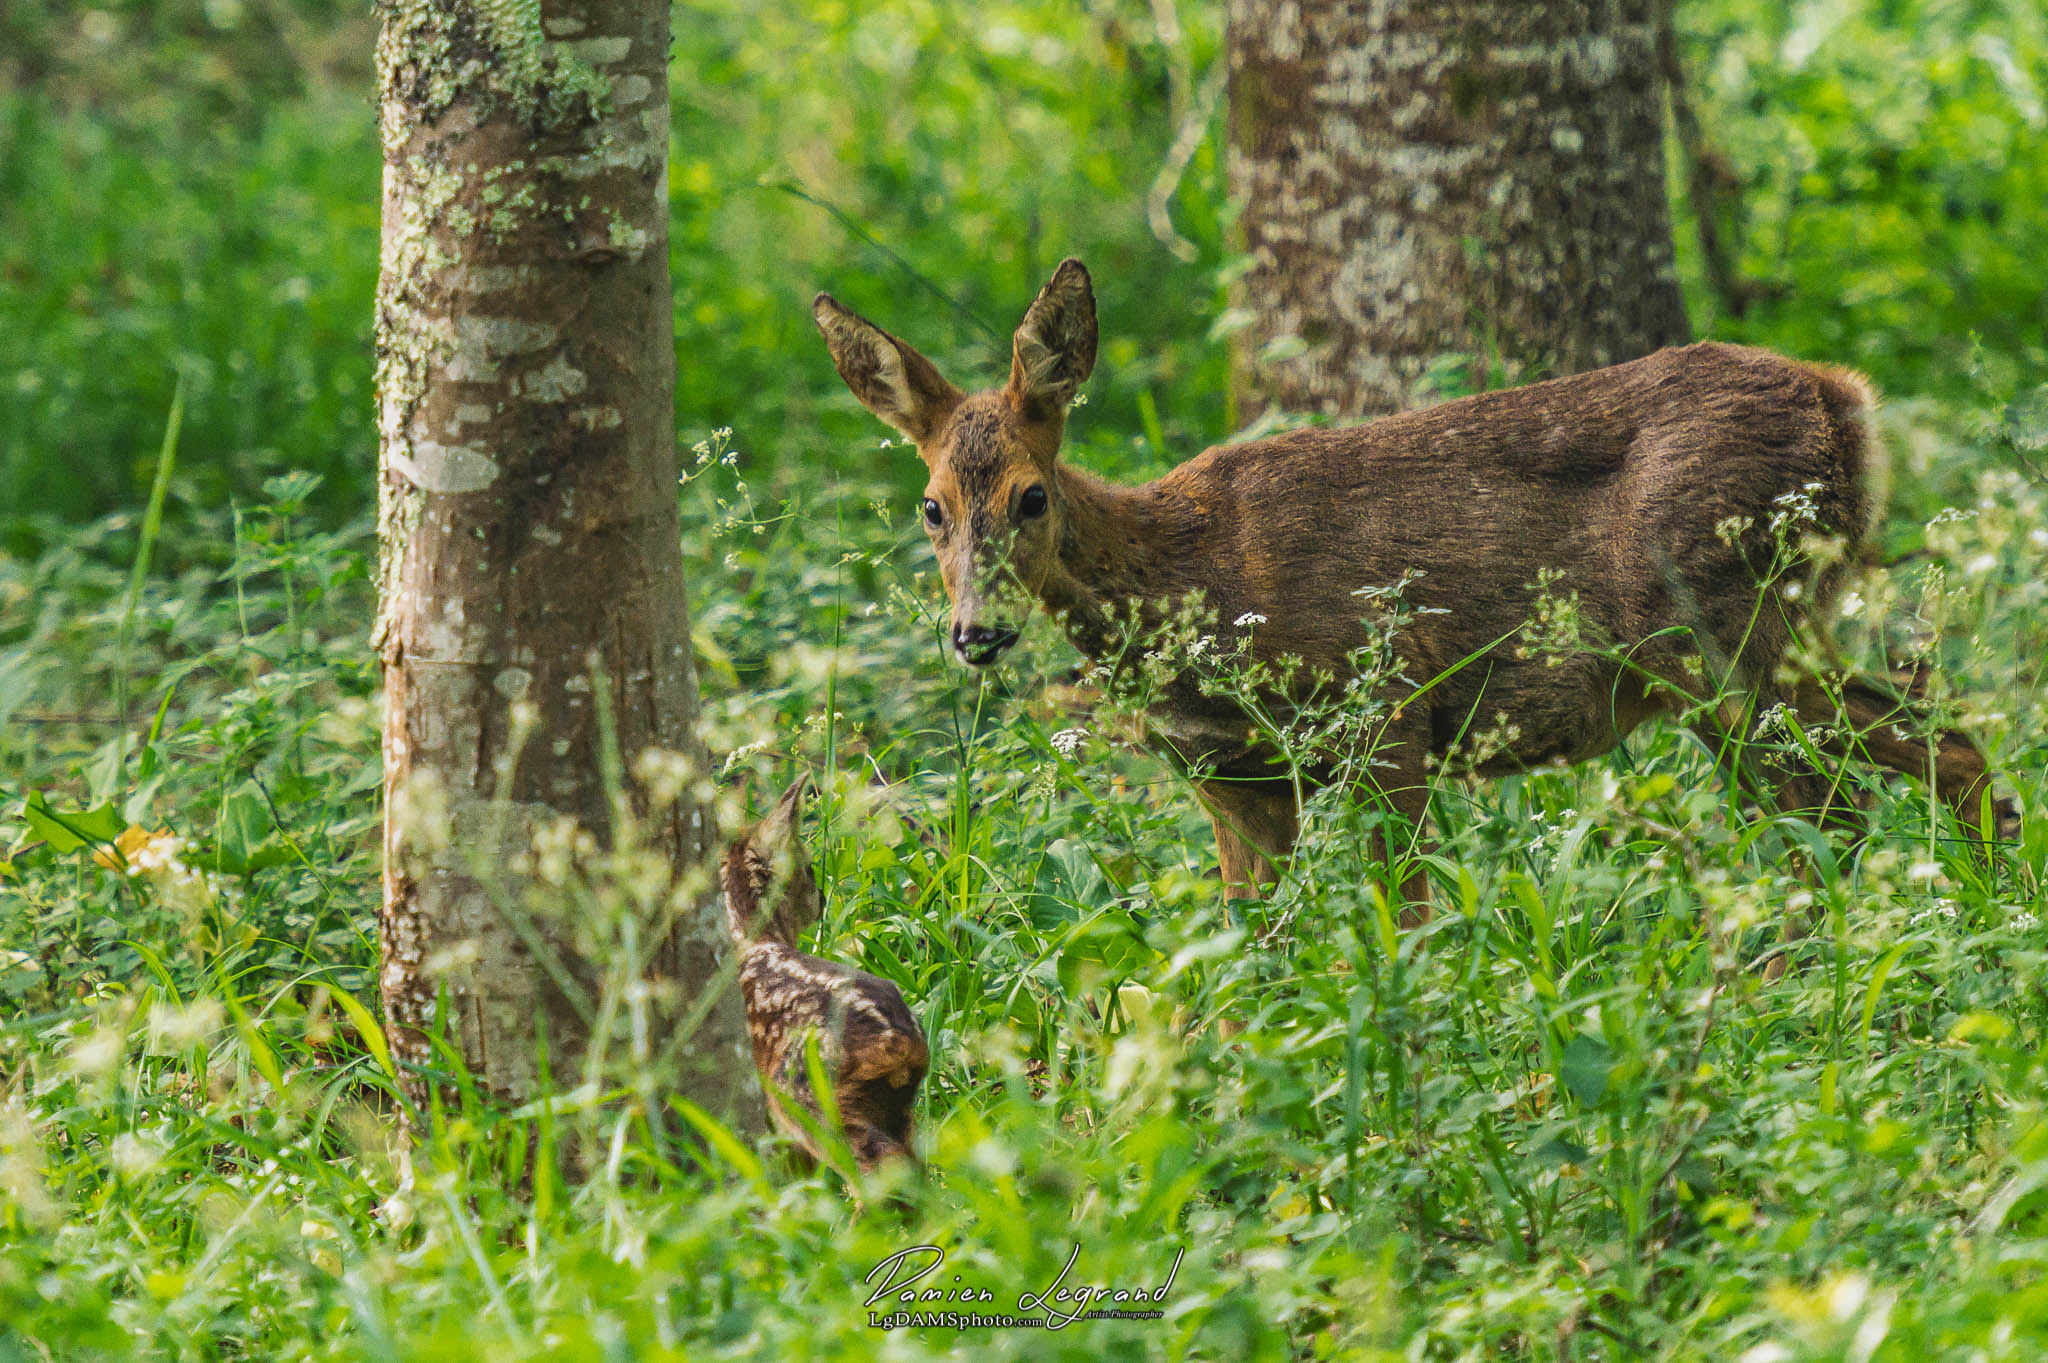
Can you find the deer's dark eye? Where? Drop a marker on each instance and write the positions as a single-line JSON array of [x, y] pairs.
[[1032, 504], [932, 514]]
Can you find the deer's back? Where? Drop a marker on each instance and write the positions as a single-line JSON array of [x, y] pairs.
[[1626, 482]]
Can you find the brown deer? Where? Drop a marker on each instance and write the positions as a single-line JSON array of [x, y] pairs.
[[869, 1044], [1661, 492]]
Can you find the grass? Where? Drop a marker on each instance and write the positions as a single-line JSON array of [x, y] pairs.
[[1570, 1120]]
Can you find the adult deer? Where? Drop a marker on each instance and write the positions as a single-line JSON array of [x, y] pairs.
[[1649, 489]]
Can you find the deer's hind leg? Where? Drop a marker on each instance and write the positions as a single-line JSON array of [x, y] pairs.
[[1877, 719]]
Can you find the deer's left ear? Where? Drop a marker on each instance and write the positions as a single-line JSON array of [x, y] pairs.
[[1054, 349]]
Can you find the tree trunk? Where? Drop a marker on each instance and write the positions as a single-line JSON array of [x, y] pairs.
[[534, 626], [1427, 182]]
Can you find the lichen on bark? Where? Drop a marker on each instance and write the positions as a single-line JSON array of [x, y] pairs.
[[1428, 183], [528, 521]]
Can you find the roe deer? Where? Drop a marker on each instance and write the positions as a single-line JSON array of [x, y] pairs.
[[870, 1045], [1648, 489]]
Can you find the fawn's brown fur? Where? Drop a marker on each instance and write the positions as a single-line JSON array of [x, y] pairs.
[[1648, 489], [869, 1044]]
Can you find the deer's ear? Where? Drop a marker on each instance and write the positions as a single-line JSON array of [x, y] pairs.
[[890, 378], [792, 890], [1054, 349], [777, 832]]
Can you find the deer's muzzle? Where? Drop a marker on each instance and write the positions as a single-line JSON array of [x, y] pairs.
[[980, 645]]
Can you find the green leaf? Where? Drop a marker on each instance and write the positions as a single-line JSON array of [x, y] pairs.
[[260, 1054], [248, 838], [366, 1025], [719, 1137], [1559, 1150], [2026, 419], [1108, 944], [67, 830], [1585, 1068], [1883, 972]]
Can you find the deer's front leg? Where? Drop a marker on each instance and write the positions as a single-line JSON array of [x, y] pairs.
[[1256, 823]]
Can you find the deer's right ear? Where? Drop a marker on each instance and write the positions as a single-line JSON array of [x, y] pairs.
[[891, 380]]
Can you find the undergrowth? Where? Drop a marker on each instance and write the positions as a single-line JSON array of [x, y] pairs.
[[1568, 1119]]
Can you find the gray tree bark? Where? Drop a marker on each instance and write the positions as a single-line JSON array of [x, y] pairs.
[[534, 625], [1438, 180]]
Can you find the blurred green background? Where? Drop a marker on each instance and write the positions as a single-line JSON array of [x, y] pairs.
[[189, 187]]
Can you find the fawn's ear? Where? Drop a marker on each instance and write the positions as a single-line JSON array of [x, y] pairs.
[[890, 378], [793, 899], [770, 891], [776, 834], [1054, 349]]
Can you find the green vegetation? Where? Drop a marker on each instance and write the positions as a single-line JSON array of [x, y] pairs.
[[1569, 1121]]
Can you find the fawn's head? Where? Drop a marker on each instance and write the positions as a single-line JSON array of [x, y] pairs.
[[991, 505], [771, 893]]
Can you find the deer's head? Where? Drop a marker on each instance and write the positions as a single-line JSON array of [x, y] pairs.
[[868, 1040], [991, 505]]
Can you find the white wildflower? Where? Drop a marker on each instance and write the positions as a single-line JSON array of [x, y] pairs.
[[1927, 871], [1068, 742], [1846, 1295], [1250, 618], [172, 1028], [1795, 508], [134, 1155], [96, 1056], [1777, 719], [1980, 565]]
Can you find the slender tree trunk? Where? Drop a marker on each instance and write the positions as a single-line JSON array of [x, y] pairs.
[[1433, 181], [534, 626]]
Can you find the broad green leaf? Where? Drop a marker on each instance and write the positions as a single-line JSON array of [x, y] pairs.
[[248, 837], [67, 830], [1585, 1068]]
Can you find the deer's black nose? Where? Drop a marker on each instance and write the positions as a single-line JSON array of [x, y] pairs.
[[980, 645]]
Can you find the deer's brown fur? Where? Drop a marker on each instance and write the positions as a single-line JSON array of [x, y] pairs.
[[1648, 487], [868, 1042]]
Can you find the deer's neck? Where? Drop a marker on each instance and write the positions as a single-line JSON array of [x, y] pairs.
[[1118, 545]]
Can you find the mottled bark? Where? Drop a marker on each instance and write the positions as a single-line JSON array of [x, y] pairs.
[[532, 574], [1439, 180]]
